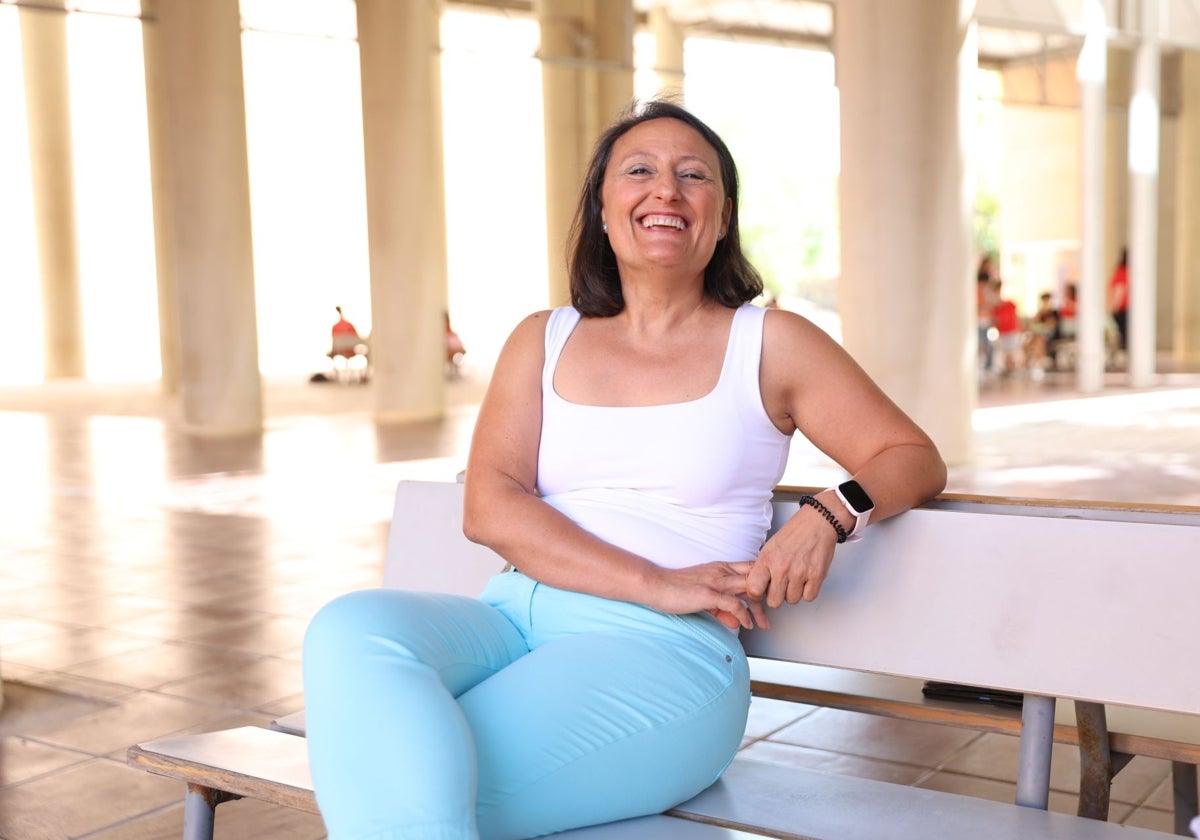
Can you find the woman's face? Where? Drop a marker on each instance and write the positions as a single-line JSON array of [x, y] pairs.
[[662, 198]]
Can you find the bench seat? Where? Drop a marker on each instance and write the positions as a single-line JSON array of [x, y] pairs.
[[752, 799]]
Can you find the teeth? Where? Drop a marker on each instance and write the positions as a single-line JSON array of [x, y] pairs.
[[664, 221]]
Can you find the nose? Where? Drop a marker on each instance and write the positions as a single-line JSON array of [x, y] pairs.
[[666, 185]]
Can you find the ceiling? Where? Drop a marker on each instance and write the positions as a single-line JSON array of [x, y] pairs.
[[1008, 29]]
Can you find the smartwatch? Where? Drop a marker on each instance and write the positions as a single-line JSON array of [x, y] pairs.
[[855, 498]]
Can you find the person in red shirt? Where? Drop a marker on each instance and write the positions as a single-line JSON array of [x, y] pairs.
[[346, 344], [1118, 296], [345, 338], [1007, 323]]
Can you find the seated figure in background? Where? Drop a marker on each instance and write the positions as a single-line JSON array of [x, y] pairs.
[[346, 344]]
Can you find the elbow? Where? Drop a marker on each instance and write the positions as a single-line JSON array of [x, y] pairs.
[[936, 474], [483, 518], [474, 525]]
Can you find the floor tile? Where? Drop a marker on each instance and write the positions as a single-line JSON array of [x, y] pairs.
[[768, 716], [238, 820], [72, 648], [995, 756], [267, 636], [29, 709], [772, 752], [140, 717], [870, 736], [159, 663], [75, 800], [248, 687], [22, 759], [1153, 819]]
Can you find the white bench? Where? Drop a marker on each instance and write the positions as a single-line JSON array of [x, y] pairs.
[[1084, 602]]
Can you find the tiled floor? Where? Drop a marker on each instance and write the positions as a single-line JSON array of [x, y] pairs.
[[152, 583]]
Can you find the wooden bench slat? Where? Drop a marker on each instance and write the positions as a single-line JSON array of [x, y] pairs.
[[246, 761]]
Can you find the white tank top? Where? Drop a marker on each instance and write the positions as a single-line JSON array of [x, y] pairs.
[[678, 484]]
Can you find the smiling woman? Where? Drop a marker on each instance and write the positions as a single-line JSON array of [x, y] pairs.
[[623, 461]]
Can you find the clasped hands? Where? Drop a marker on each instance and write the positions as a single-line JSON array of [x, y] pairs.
[[790, 568]]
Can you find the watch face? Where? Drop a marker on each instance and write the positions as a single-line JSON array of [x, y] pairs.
[[856, 497]]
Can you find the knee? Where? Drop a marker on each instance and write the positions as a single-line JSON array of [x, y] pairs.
[[339, 626]]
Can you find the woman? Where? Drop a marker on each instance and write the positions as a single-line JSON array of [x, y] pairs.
[[623, 462]]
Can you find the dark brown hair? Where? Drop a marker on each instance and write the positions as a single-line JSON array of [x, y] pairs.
[[729, 278]]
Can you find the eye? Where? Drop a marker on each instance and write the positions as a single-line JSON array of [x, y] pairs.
[[698, 177], [639, 169]]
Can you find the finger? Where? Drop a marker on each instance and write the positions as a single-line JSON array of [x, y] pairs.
[[728, 620], [757, 581], [759, 614], [777, 592], [795, 590], [737, 608]]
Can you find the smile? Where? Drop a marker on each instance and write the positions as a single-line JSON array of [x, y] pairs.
[[658, 222]]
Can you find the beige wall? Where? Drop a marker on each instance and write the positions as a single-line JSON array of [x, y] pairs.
[[1039, 190]]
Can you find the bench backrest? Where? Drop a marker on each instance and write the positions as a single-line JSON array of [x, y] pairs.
[[1083, 608]]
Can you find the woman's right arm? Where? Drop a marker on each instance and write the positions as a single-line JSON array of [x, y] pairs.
[[502, 509]]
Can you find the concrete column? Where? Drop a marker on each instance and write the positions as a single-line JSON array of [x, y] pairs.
[[905, 72], [1187, 218], [1168, 175], [587, 79], [52, 171], [200, 66], [1092, 72], [164, 257], [668, 50], [1118, 76], [399, 59], [1144, 119]]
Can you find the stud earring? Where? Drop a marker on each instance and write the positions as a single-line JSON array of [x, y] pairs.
[[604, 227]]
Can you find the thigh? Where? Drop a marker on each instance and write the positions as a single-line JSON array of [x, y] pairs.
[[602, 726], [461, 639], [388, 745]]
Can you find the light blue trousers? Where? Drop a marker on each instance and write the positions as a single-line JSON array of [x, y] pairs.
[[528, 711]]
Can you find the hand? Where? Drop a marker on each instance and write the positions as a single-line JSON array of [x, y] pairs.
[[794, 562], [716, 588]]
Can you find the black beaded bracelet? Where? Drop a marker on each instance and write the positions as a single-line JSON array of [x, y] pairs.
[[828, 514]]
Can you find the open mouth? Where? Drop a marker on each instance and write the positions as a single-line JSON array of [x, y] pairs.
[[663, 222]]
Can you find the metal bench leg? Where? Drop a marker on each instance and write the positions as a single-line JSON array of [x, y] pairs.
[[1095, 760], [1186, 795], [200, 811], [1037, 737]]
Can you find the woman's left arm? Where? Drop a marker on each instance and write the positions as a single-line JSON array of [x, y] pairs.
[[811, 385]]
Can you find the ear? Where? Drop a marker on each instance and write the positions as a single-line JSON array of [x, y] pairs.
[[726, 214]]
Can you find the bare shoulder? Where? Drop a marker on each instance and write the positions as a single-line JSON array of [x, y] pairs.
[[788, 334], [529, 334]]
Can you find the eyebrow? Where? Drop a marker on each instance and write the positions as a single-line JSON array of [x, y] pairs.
[[685, 158]]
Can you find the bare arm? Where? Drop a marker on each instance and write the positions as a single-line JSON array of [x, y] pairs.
[[811, 384], [503, 511]]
